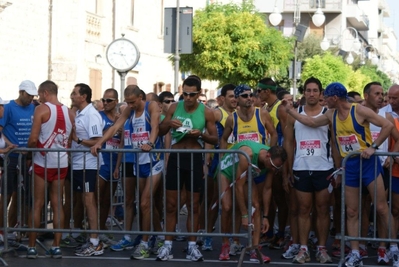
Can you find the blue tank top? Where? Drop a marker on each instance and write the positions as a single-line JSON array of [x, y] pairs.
[[112, 143]]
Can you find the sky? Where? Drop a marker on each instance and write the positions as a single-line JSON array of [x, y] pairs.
[[393, 20]]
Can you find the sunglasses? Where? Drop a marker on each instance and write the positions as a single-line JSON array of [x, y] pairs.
[[247, 95], [192, 94], [108, 100], [168, 101], [276, 167]]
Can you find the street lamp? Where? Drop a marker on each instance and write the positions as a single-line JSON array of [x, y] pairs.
[[325, 43], [275, 19]]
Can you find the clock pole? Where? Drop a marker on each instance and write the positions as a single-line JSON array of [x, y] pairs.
[[122, 75]]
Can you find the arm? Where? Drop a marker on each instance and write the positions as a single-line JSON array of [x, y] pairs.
[[267, 121], [167, 122], [96, 143], [41, 114], [307, 120], [266, 198], [119, 159], [289, 145], [242, 166], [210, 136], [228, 129], [155, 115], [366, 114]]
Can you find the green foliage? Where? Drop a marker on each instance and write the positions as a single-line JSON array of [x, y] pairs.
[[310, 47], [327, 68], [376, 75], [232, 44], [357, 80]]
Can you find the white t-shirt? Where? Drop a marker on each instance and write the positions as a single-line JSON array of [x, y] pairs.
[[88, 124]]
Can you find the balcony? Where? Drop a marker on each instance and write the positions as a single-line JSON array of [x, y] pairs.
[[357, 18], [93, 26], [328, 6], [384, 8]]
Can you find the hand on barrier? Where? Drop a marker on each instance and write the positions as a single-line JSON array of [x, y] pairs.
[[94, 149]]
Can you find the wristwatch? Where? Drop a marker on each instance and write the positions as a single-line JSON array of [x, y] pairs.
[[79, 141], [150, 144], [374, 145]]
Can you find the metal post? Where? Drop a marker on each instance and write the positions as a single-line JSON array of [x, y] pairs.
[[123, 75], [177, 56], [294, 71]]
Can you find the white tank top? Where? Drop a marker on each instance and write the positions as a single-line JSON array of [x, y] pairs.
[[54, 133], [140, 136], [375, 132], [313, 146]]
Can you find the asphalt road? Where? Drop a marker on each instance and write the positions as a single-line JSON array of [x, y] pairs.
[[119, 259]]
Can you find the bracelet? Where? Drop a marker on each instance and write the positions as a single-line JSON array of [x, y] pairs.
[[265, 217], [244, 216]]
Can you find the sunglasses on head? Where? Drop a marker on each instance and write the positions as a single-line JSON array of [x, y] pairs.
[[276, 167], [168, 101], [192, 94], [247, 95], [108, 100]]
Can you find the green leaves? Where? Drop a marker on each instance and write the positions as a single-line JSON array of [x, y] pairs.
[[232, 44]]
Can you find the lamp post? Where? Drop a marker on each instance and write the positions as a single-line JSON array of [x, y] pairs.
[[318, 20]]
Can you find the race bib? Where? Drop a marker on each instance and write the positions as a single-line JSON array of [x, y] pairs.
[[249, 136], [349, 143], [231, 139], [112, 143], [309, 148], [140, 138], [374, 135]]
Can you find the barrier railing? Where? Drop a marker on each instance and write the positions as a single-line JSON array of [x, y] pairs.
[[26, 199], [364, 236]]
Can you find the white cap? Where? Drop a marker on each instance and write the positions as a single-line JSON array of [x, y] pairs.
[[29, 87], [4, 102], [218, 92]]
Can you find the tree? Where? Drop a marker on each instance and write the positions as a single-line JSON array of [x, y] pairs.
[[232, 44], [376, 75], [327, 68]]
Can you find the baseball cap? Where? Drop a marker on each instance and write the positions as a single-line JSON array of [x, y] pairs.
[[240, 89], [29, 87], [218, 92], [337, 89], [4, 102]]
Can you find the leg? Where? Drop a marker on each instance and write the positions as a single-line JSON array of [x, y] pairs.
[[305, 206], [34, 220], [56, 204], [352, 212]]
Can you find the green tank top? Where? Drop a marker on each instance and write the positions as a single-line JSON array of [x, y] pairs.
[[229, 162], [190, 121]]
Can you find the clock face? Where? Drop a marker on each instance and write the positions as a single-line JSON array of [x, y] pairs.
[[123, 55]]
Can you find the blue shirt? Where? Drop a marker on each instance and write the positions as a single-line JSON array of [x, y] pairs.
[[17, 123]]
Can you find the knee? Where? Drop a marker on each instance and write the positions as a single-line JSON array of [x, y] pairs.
[[145, 205], [352, 213]]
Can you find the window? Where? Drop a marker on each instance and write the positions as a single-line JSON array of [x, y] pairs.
[[94, 6], [317, 3], [95, 83]]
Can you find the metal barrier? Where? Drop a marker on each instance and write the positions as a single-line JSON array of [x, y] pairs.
[[359, 237], [50, 225]]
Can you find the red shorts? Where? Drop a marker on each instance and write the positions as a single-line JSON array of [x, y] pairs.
[[52, 173]]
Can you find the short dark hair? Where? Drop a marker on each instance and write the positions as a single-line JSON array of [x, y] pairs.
[[278, 152], [165, 94], [353, 94], [84, 89], [113, 91], [193, 80], [269, 81], [49, 86], [227, 88], [367, 88], [133, 89], [313, 80], [152, 97], [282, 93]]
